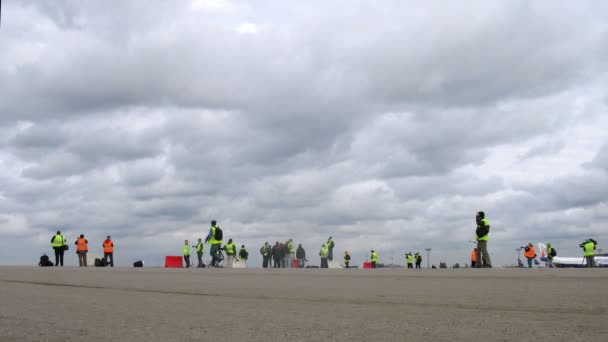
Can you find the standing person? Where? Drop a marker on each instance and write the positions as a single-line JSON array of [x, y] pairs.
[[230, 249], [199, 253], [418, 258], [108, 251], [301, 255], [59, 244], [187, 253], [550, 254], [282, 254], [266, 252], [276, 255], [589, 248], [482, 234], [473, 257], [346, 259], [330, 245], [530, 254], [410, 260], [374, 258], [243, 254], [324, 254], [82, 247], [214, 238], [289, 252]]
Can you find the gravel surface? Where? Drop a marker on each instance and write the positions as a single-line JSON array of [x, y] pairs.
[[155, 304]]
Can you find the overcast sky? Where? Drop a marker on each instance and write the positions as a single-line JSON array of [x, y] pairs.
[[387, 125]]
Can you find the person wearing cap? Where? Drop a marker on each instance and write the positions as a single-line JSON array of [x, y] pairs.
[[59, 244], [108, 251], [346, 259]]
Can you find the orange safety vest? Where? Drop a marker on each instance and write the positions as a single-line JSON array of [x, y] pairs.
[[474, 256], [108, 246], [81, 245], [530, 253]]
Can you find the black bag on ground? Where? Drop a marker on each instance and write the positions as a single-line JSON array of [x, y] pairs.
[[44, 261], [219, 234], [138, 263], [100, 262]]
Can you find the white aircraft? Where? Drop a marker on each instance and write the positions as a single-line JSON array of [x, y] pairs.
[[558, 261]]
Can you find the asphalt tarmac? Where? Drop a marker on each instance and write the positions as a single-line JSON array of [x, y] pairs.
[[155, 304]]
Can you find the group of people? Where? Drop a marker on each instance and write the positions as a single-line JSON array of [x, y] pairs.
[[411, 258], [284, 255], [60, 245], [229, 248]]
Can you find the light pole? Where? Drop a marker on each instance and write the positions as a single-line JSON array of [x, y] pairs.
[[428, 257]]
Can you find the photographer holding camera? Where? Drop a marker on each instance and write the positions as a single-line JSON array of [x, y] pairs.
[[529, 253]]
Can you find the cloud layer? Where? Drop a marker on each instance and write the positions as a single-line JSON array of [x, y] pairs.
[[386, 126]]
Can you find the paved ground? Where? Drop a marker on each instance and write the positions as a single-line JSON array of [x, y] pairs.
[[151, 305]]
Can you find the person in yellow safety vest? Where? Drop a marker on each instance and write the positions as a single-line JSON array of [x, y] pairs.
[[374, 258], [266, 255], [289, 253], [214, 238], [230, 250], [346, 259], [482, 234], [410, 260], [324, 254], [199, 253], [82, 248], [330, 247], [59, 244], [186, 253], [589, 248]]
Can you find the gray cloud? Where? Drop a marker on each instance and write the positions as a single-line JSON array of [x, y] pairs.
[[387, 126]]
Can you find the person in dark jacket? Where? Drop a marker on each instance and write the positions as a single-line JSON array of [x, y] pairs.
[[276, 255], [301, 255]]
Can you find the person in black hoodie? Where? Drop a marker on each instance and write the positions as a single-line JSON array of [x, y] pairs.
[[301, 255], [276, 255]]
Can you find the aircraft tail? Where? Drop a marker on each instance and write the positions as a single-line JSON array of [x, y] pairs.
[[543, 251]]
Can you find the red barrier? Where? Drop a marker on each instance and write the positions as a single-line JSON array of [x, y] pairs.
[[173, 261], [296, 263], [367, 264]]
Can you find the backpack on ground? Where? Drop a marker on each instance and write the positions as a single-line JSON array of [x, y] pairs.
[[219, 234], [97, 262], [553, 252]]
